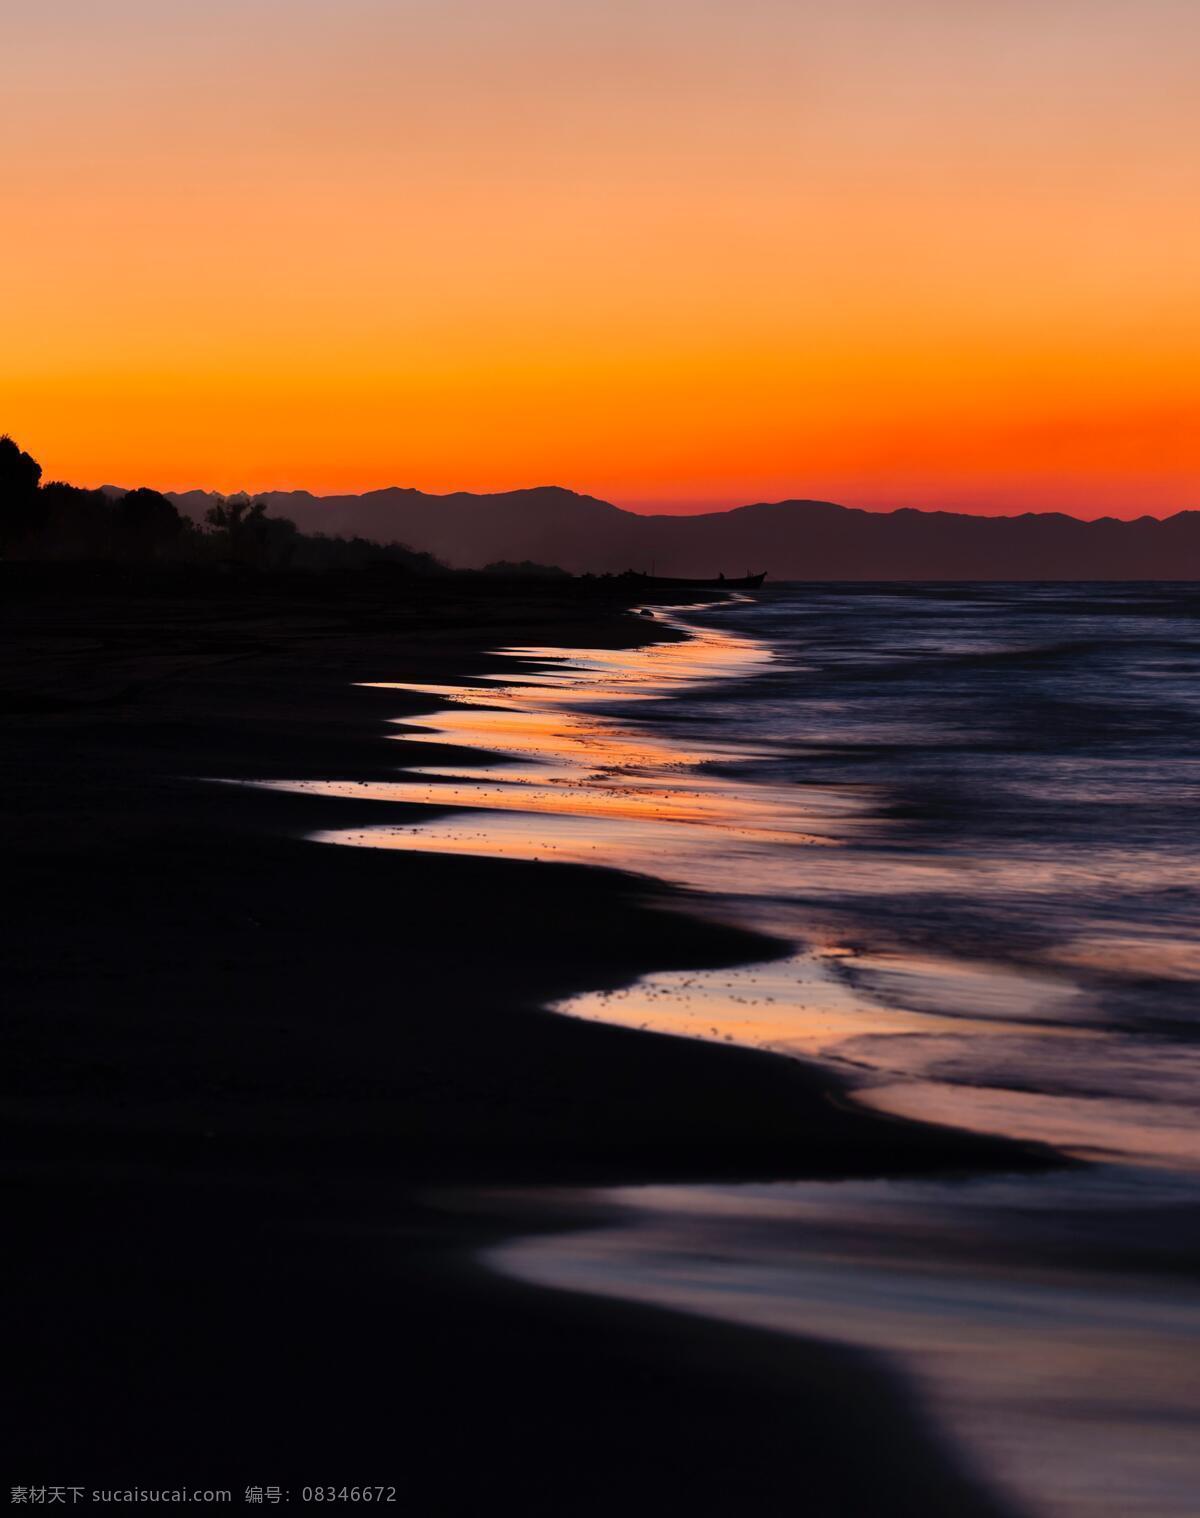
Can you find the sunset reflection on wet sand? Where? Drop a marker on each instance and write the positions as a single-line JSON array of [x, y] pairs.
[[980, 924]]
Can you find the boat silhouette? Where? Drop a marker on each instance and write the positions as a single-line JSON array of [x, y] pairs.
[[667, 582]]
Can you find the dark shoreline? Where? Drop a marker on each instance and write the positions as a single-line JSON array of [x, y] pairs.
[[238, 1063]]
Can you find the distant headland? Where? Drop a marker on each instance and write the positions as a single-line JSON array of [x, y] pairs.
[[550, 525]]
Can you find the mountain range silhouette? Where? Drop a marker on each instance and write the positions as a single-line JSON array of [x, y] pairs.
[[792, 540]]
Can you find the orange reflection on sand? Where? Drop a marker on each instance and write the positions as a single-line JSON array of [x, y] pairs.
[[549, 770], [558, 741], [1164, 1133], [793, 1005], [747, 819], [554, 769]]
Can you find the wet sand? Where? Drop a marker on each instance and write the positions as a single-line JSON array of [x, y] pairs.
[[247, 1077]]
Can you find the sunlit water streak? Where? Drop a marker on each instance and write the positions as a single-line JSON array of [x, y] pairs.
[[973, 813]]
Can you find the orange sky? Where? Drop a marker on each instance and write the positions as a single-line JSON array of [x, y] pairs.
[[938, 252]]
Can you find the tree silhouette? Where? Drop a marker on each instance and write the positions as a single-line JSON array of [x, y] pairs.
[[72, 523], [236, 515], [252, 537], [19, 476], [19, 471], [145, 524], [63, 523]]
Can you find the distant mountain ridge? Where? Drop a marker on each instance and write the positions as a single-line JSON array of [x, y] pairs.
[[792, 540]]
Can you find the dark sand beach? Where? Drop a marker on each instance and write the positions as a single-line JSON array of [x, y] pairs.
[[251, 1082]]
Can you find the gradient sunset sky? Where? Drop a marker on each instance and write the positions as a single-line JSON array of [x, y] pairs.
[[684, 252]]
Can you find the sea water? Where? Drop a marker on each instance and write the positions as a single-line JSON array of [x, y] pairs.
[[971, 815]]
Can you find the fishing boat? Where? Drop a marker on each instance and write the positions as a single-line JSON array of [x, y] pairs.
[[664, 582]]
